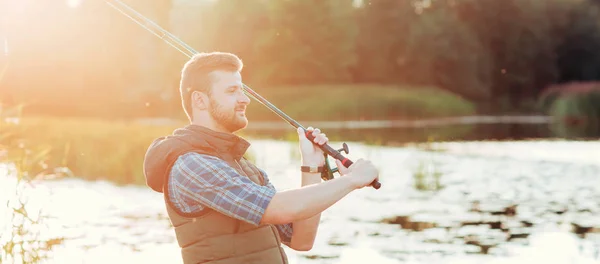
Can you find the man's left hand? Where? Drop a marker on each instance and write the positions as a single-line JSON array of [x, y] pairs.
[[312, 155]]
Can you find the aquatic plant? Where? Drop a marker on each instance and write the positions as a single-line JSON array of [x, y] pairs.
[[427, 176]]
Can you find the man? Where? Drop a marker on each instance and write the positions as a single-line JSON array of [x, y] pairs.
[[222, 207]]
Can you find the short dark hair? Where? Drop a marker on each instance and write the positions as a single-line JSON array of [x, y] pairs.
[[195, 75]]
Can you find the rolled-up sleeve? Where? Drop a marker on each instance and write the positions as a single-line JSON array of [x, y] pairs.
[[198, 180]]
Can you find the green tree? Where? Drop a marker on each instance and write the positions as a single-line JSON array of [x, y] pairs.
[[381, 40], [578, 53], [443, 51], [307, 42], [237, 26], [521, 37]]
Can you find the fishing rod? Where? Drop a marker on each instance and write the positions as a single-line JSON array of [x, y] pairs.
[[185, 49]]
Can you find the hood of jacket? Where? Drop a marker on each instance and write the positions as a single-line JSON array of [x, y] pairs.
[[164, 151]]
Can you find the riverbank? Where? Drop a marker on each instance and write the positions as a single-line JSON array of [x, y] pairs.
[[378, 124], [301, 102], [114, 150], [359, 102]]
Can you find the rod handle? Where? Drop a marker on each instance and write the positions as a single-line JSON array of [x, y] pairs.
[[337, 155]]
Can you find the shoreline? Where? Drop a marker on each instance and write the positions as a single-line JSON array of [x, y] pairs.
[[380, 124]]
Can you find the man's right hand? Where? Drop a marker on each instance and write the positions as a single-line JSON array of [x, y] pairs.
[[298, 204], [362, 172]]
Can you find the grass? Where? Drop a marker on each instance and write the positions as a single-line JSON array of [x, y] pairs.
[[94, 149], [360, 102]]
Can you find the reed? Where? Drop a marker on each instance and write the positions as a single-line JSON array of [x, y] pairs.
[[22, 238], [427, 175], [94, 149]]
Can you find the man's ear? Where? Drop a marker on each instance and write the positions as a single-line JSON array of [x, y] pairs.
[[199, 100]]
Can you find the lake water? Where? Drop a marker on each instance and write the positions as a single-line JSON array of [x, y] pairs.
[[501, 202]]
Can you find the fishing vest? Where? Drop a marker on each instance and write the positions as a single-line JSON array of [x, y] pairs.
[[214, 238]]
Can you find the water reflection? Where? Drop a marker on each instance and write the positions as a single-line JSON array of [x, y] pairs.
[[450, 132]]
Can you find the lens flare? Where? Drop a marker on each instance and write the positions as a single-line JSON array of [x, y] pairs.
[[73, 3]]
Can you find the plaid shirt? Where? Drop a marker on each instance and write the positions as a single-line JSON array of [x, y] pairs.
[[200, 180]]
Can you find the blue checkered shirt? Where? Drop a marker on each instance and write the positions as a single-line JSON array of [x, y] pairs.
[[200, 180]]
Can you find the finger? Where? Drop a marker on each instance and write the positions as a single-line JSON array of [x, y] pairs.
[[339, 164], [316, 132], [358, 161], [316, 138], [301, 134], [322, 139], [341, 168], [307, 130]]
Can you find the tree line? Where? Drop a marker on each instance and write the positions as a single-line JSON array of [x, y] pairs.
[[501, 55]]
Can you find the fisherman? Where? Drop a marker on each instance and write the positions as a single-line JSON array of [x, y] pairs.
[[223, 208]]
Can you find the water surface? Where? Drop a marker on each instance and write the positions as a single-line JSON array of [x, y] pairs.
[[501, 202]]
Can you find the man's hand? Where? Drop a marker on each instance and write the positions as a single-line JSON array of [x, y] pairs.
[[362, 172], [312, 155], [342, 169]]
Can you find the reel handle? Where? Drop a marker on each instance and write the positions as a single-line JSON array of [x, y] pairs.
[[337, 155]]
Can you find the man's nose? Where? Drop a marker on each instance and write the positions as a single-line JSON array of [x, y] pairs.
[[243, 98]]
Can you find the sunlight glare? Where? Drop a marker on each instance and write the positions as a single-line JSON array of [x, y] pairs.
[[73, 3]]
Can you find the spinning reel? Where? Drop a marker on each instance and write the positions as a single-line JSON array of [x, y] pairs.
[[327, 174]]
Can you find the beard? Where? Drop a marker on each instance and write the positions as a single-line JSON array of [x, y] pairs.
[[227, 118]]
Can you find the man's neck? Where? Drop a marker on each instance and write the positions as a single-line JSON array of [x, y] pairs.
[[210, 124]]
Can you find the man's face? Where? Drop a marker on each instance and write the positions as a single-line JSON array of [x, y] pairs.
[[227, 101]]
